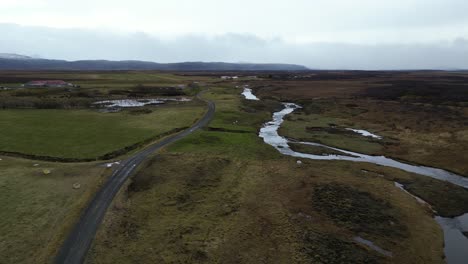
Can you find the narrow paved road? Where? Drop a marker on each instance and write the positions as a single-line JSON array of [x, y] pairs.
[[78, 242]]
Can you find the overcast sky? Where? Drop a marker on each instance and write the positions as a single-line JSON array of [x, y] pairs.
[[358, 34]]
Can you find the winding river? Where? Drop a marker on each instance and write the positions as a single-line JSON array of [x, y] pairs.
[[456, 244]]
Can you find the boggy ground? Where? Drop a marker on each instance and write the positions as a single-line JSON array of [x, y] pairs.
[[421, 115], [224, 196]]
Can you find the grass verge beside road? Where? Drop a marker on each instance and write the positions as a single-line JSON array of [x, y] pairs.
[[38, 210], [86, 134]]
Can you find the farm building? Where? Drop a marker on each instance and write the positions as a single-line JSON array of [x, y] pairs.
[[229, 77], [48, 83]]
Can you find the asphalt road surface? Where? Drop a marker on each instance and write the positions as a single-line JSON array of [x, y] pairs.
[[78, 242]]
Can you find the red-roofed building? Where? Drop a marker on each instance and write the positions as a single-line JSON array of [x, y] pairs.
[[48, 83]]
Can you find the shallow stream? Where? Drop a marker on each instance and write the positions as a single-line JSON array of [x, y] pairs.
[[456, 243]]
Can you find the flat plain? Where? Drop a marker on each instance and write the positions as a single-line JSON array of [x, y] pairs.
[[223, 195]]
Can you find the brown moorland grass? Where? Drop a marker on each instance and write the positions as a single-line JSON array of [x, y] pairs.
[[421, 115], [197, 203], [221, 209]]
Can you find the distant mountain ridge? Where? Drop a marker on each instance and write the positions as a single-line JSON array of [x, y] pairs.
[[14, 56], [10, 61]]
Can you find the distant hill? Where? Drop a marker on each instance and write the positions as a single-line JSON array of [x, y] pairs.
[[19, 62], [14, 56]]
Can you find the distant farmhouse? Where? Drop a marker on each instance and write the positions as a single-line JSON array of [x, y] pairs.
[[229, 77], [49, 83]]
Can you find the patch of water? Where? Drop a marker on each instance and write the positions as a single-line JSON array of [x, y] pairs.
[[456, 244], [372, 246], [111, 164], [128, 102], [364, 133], [124, 103], [247, 93]]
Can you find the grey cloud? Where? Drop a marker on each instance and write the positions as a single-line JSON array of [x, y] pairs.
[[75, 44]]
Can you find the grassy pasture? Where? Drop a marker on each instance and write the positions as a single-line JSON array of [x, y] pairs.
[[94, 86], [87, 133], [37, 210], [101, 80]]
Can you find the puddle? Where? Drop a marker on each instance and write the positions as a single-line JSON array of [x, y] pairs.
[[247, 93], [111, 164], [372, 246], [364, 133], [128, 102], [124, 103]]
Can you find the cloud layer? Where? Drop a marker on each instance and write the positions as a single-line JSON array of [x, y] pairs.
[[77, 44], [358, 34]]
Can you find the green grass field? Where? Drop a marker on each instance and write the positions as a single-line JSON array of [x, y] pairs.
[[108, 80], [240, 130], [37, 210], [86, 133]]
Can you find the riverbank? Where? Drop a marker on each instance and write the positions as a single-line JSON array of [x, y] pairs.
[[454, 228], [235, 199], [426, 130]]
